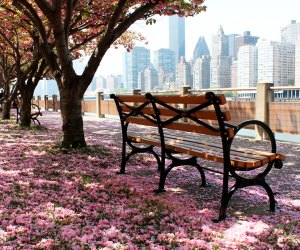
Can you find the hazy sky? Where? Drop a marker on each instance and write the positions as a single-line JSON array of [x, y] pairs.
[[263, 18]]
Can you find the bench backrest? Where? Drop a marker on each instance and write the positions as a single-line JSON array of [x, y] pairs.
[[192, 113]]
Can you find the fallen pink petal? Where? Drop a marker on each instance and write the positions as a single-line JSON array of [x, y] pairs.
[[56, 199]]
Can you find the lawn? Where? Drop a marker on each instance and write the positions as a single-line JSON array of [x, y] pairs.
[[60, 199]]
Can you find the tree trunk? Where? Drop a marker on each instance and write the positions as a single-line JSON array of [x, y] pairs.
[[73, 135], [6, 107], [25, 110]]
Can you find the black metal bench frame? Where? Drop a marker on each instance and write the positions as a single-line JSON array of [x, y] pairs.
[[34, 115], [136, 114]]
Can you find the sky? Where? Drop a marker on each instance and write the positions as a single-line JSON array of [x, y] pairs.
[[263, 18]]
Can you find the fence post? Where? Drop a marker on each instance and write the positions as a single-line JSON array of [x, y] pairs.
[[136, 92], [39, 100], [184, 90], [46, 102], [99, 98], [54, 102], [264, 95]]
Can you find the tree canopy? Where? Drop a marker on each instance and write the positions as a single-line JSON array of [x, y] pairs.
[[66, 28]]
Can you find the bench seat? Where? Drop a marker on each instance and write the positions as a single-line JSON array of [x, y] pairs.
[[207, 148]]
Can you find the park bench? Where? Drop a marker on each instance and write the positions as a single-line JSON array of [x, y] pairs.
[[197, 127], [35, 113]]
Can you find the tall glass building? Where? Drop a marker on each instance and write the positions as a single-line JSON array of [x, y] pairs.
[[164, 58], [177, 36], [136, 61], [201, 48]]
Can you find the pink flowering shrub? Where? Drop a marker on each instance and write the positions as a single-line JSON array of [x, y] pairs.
[[58, 199]]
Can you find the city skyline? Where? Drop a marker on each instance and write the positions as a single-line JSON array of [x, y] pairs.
[[262, 18]]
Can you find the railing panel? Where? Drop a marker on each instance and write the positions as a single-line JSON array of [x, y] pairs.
[[241, 111], [108, 107], [285, 117], [89, 106]]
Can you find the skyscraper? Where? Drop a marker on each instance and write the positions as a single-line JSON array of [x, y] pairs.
[[151, 79], [201, 48], [246, 39], [136, 61], [101, 82], [220, 61], [112, 83], [247, 66], [201, 73], [232, 45], [177, 36], [290, 32], [164, 58], [183, 74], [276, 63]]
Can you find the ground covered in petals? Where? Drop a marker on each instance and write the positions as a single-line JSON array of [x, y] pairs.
[[60, 199]]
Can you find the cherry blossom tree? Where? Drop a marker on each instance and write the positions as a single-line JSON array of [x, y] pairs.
[[8, 76], [21, 63], [67, 27]]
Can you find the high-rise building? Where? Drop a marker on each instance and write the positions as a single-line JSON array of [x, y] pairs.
[[165, 79], [112, 83], [247, 66], [136, 61], [276, 63], [220, 64], [201, 48], [234, 74], [232, 45], [297, 62], [201, 73], [177, 36], [246, 39], [183, 74], [290, 32], [164, 58], [151, 79], [141, 81], [101, 82]]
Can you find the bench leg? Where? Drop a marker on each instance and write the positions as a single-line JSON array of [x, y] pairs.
[[36, 120], [163, 174], [271, 196], [136, 150], [203, 179], [225, 197], [123, 161], [241, 183]]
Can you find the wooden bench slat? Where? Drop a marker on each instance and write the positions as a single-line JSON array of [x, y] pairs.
[[181, 126], [239, 159], [212, 155], [140, 121], [246, 155], [179, 99], [197, 139], [132, 98], [188, 99], [205, 114]]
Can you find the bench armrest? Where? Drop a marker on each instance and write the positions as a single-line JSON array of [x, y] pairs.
[[261, 124]]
